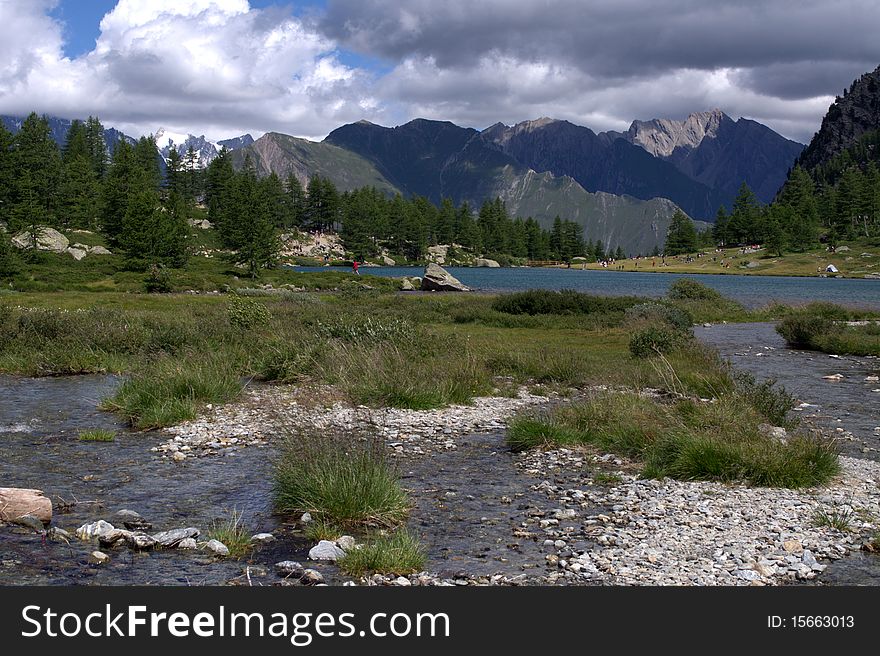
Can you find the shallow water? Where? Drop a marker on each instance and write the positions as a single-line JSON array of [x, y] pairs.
[[752, 291], [848, 403], [40, 420]]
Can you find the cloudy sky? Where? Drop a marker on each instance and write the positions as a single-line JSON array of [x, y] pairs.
[[225, 67]]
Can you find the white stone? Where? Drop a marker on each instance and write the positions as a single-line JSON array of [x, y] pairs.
[[217, 548], [326, 550]]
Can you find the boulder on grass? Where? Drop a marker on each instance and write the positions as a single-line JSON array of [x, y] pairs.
[[438, 279], [47, 239]]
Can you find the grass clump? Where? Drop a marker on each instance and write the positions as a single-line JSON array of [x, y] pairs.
[[823, 327], [840, 519], [169, 391], [340, 480], [322, 529], [685, 439], [231, 532], [97, 435], [399, 553], [655, 339]]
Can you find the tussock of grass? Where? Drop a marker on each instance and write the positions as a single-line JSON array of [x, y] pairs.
[[399, 553], [97, 435], [169, 391], [840, 519], [231, 532], [686, 440], [341, 480]]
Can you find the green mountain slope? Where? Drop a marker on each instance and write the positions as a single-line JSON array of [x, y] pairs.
[[283, 154]]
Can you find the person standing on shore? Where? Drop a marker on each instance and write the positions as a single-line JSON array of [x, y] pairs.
[[354, 267]]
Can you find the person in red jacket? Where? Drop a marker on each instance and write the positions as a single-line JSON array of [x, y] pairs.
[[354, 267]]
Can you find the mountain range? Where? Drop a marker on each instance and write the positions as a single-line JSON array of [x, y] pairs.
[[622, 187]]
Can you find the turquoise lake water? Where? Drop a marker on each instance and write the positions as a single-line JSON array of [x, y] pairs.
[[752, 291]]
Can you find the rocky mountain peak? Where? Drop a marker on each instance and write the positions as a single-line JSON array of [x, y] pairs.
[[661, 136], [849, 117]]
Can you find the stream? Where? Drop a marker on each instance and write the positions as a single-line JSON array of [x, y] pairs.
[[468, 501]]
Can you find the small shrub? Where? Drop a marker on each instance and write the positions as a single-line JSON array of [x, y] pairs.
[[686, 289], [654, 340], [677, 318], [97, 435], [399, 553], [768, 398], [340, 480], [246, 314], [566, 301], [802, 330], [158, 280]]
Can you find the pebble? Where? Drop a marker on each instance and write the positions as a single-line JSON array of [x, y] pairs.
[[99, 558]]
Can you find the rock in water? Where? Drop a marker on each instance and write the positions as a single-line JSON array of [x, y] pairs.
[[485, 262], [132, 520], [18, 502], [326, 550], [99, 557], [438, 279], [168, 539], [217, 548], [289, 568], [262, 538], [139, 541], [94, 530], [311, 577]]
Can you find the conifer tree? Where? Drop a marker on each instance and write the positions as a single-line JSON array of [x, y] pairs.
[[96, 146], [36, 164], [682, 236]]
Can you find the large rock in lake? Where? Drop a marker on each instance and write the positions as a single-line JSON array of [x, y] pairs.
[[438, 279], [485, 262], [47, 239]]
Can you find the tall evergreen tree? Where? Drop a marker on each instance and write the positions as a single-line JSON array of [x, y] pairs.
[[97, 147], [36, 164], [682, 236]]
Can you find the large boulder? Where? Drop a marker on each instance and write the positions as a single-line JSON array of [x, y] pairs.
[[438, 279], [48, 239], [485, 262], [99, 250], [387, 261]]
